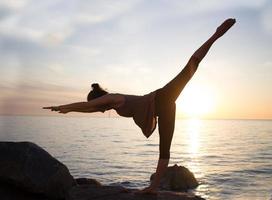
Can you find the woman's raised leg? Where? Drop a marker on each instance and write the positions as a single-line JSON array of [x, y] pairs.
[[171, 91]]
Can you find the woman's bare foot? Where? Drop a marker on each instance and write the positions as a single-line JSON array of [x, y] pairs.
[[224, 27]]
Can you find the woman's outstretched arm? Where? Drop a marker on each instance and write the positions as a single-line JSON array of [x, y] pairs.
[[90, 106]]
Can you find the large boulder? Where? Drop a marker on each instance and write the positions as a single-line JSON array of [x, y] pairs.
[[177, 178], [30, 168]]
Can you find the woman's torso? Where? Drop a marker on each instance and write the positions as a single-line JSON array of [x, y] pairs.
[[126, 104], [140, 108]]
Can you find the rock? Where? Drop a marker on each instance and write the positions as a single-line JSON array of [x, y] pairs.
[[87, 192], [10, 192], [29, 167], [87, 181], [177, 178]]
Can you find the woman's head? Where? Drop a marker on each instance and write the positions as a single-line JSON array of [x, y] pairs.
[[96, 92]]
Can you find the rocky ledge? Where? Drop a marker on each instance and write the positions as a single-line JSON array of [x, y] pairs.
[[28, 172]]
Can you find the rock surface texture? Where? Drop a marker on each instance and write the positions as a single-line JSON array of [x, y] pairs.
[[177, 178], [30, 168]]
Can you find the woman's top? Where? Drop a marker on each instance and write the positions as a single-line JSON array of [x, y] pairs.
[[142, 110]]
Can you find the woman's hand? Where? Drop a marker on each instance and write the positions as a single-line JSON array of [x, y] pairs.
[[64, 110], [58, 109], [53, 108]]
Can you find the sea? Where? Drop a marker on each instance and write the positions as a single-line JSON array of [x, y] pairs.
[[231, 159]]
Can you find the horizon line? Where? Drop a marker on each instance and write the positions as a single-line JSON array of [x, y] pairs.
[[91, 116]]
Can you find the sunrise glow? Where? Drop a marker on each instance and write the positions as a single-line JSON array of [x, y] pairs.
[[197, 101]]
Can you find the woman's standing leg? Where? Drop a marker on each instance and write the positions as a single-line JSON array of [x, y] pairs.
[[166, 123]]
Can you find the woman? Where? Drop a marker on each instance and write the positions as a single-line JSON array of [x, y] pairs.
[[145, 109]]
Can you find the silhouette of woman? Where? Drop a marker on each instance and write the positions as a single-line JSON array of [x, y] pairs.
[[146, 109]]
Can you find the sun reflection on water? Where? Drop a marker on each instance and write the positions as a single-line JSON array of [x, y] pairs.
[[193, 130], [193, 136]]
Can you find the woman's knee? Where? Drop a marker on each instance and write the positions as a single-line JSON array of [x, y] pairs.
[[165, 107]]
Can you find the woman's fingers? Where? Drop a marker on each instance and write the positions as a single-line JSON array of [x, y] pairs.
[[52, 108]]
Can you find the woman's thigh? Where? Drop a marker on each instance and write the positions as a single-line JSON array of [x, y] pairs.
[[171, 91]]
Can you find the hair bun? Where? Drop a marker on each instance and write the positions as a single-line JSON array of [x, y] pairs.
[[95, 86], [96, 92]]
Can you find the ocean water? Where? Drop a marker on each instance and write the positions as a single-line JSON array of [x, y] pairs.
[[232, 159]]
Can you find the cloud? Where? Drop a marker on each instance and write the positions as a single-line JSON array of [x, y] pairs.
[[29, 97], [31, 89], [266, 17], [199, 6], [102, 10], [36, 34], [14, 4], [4, 12], [55, 21], [25, 59], [268, 64], [41, 18], [37, 20], [19, 45]]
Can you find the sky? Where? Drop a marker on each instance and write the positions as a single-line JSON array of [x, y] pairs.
[[51, 51]]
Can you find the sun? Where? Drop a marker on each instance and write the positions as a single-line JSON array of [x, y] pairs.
[[196, 101]]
